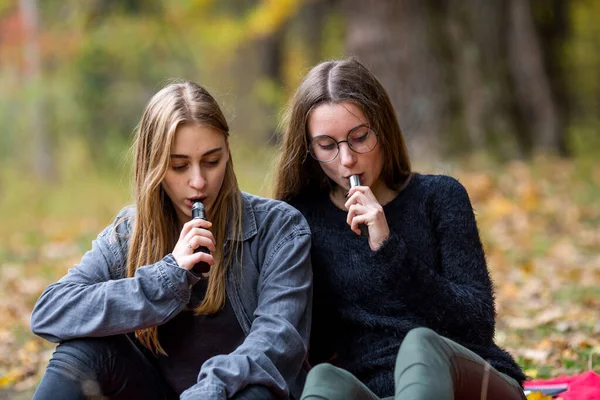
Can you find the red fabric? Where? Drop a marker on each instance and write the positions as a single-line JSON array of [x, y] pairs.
[[584, 386]]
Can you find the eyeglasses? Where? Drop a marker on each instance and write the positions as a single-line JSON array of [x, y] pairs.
[[361, 140]]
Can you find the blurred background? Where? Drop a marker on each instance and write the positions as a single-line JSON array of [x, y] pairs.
[[502, 94]]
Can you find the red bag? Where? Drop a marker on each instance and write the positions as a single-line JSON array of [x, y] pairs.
[[584, 386]]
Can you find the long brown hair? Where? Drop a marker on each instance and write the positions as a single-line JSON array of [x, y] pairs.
[[155, 226], [335, 82]]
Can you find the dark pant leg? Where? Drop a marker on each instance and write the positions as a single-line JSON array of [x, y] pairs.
[[111, 366], [430, 366], [326, 382], [255, 392]]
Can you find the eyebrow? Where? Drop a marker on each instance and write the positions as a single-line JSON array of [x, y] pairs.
[[366, 125], [209, 152]]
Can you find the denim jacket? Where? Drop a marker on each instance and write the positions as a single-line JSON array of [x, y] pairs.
[[271, 294]]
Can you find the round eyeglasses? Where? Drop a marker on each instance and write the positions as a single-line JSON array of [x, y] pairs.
[[361, 139]]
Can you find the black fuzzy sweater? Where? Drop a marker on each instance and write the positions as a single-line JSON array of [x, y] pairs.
[[430, 272]]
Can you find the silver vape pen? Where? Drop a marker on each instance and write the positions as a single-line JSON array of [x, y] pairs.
[[355, 181]]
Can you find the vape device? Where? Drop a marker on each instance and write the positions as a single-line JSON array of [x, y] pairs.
[[198, 212], [355, 181]]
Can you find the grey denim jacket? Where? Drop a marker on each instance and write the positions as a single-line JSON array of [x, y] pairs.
[[271, 294]]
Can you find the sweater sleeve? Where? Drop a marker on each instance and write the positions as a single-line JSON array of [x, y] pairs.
[[462, 284]]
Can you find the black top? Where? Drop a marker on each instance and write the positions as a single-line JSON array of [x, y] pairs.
[[190, 340], [430, 272]]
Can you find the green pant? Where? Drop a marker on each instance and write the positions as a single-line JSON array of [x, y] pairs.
[[428, 367]]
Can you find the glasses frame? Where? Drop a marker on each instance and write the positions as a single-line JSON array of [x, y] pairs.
[[309, 151]]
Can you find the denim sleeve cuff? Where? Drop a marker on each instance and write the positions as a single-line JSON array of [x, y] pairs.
[[212, 392], [178, 279], [192, 277]]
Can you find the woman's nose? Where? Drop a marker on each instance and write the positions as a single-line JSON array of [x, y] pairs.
[[197, 180], [347, 156]]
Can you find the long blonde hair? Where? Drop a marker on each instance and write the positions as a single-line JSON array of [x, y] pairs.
[[155, 229], [334, 82]]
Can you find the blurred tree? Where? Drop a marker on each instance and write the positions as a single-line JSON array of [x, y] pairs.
[[509, 78], [116, 68], [553, 24], [397, 41], [43, 162], [465, 74], [581, 60], [534, 94], [313, 19], [485, 116], [272, 51]]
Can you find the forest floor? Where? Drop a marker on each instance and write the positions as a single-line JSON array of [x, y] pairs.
[[539, 222]]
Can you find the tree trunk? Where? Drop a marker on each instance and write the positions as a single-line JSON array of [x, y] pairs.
[[43, 162], [532, 87], [271, 65], [484, 97], [553, 32], [395, 40]]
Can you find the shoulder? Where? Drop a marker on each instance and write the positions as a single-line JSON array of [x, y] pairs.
[[447, 198], [271, 214], [438, 186], [117, 233], [435, 181], [311, 205]]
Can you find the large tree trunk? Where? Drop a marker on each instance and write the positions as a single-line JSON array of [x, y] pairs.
[[484, 96], [553, 32], [313, 17], [271, 71], [43, 162], [395, 40], [532, 87]]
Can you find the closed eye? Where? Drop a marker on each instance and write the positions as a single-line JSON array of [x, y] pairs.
[[212, 163], [361, 138], [327, 146]]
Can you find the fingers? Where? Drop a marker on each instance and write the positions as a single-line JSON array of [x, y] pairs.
[[197, 237], [194, 234], [363, 208], [356, 212], [188, 261], [362, 195], [194, 223]]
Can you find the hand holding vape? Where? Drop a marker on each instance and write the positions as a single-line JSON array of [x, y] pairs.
[[355, 181], [198, 212]]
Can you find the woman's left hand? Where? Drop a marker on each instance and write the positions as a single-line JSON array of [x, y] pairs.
[[363, 208]]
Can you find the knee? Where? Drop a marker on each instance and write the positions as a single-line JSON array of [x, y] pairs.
[[421, 336], [84, 357], [324, 381], [323, 373], [421, 345]]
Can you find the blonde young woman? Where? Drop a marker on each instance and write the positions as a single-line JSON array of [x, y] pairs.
[[403, 307], [134, 319]]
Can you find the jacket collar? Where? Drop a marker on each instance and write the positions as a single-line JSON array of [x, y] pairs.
[[249, 228]]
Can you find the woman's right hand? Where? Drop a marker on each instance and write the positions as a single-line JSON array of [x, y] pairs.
[[194, 234]]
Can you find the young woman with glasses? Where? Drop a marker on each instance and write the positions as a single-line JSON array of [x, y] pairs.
[[145, 315], [408, 310]]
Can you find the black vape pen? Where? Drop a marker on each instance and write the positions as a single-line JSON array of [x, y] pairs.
[[355, 181], [198, 212]]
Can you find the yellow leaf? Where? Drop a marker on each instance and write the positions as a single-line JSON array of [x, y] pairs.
[[12, 376], [499, 207], [538, 396], [531, 372]]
